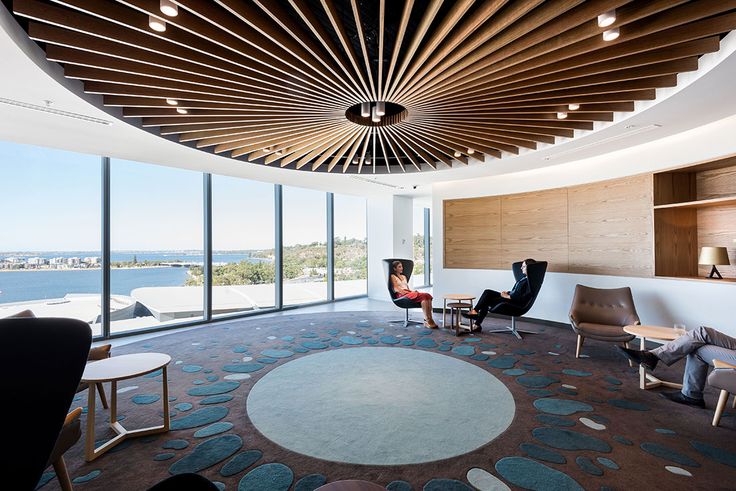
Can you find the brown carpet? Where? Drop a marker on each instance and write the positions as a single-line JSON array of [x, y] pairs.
[[639, 433]]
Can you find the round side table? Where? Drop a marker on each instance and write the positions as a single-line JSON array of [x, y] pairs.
[[458, 301], [659, 333], [114, 370]]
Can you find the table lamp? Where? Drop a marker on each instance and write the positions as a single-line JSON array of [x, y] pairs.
[[714, 256]]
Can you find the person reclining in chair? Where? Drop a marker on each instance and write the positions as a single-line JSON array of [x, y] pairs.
[[518, 295], [701, 346], [401, 289]]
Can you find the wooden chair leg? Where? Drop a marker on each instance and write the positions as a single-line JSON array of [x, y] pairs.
[[626, 345], [62, 475], [103, 398], [579, 346], [733, 405], [722, 399]]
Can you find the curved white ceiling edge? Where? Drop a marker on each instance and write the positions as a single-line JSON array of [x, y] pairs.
[[702, 96]]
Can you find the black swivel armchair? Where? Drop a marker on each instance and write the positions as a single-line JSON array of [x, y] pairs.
[[535, 272], [403, 303]]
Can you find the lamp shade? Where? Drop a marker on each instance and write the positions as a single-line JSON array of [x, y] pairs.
[[713, 256]]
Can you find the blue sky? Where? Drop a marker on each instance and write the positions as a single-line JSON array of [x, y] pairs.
[[51, 201]]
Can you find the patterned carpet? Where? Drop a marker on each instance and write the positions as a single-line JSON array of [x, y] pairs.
[[579, 423]]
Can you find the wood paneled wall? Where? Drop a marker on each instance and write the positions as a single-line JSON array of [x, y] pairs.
[[600, 228]]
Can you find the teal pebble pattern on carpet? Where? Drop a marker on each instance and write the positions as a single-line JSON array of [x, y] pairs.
[[183, 406], [550, 419], [541, 453], [561, 407], [310, 482], [145, 398], [241, 462], [514, 372], [718, 454], [530, 474], [207, 454], [277, 353], [608, 463], [315, 345], [164, 456], [218, 399], [536, 381], [668, 454], [191, 368], [399, 486], [200, 417], [463, 350], [623, 440], [426, 343], [243, 367], [446, 485], [588, 466], [214, 389], [503, 362], [267, 477], [213, 429], [390, 340], [87, 477], [569, 440], [539, 392], [576, 373], [351, 340], [176, 444]]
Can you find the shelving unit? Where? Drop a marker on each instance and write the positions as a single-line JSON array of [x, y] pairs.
[[694, 206]]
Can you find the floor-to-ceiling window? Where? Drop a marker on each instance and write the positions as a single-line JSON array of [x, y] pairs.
[[50, 259], [419, 239], [243, 271], [305, 245], [351, 246], [156, 238]]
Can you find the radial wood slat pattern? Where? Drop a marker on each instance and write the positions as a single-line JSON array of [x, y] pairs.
[[272, 82]]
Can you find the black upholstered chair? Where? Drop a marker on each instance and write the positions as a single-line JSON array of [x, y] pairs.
[[535, 273], [403, 303], [42, 361]]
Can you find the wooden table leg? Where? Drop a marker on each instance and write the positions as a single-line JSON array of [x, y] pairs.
[[113, 401], [167, 416], [89, 442], [444, 314], [642, 370]]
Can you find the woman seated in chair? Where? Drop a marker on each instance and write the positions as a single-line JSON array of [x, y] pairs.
[[401, 290], [518, 295]]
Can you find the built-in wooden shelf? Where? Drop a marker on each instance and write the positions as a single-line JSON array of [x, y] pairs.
[[701, 203], [698, 278]]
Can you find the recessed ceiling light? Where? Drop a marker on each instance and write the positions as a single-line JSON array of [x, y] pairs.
[[471, 151], [457, 154], [169, 8], [573, 107], [611, 34], [172, 102], [156, 24], [181, 110], [561, 115], [607, 18]]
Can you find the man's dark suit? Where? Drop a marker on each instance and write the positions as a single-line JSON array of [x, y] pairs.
[[520, 295]]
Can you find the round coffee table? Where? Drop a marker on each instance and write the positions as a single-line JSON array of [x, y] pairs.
[[114, 370], [458, 302], [659, 333]]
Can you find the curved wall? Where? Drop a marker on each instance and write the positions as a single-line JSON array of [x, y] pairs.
[[659, 301]]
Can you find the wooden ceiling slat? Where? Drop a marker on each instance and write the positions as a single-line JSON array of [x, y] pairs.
[[270, 82], [632, 23]]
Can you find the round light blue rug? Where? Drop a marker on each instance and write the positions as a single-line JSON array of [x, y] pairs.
[[380, 406]]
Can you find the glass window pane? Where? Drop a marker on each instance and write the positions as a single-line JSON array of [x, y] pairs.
[[243, 266], [417, 278], [305, 245], [50, 240], [351, 246], [156, 239]]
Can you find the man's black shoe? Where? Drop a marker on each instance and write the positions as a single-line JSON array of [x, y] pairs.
[[681, 398], [644, 358], [468, 315]]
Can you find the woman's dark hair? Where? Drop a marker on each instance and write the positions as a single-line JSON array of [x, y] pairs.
[[529, 261], [395, 265]]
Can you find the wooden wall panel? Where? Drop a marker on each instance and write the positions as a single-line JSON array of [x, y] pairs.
[[535, 225], [717, 228], [610, 227], [472, 233], [716, 183], [676, 242]]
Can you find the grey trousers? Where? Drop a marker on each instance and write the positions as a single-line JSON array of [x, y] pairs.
[[700, 346]]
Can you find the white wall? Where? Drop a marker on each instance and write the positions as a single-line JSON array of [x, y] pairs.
[[658, 301]]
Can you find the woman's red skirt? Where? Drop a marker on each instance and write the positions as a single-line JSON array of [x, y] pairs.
[[417, 296]]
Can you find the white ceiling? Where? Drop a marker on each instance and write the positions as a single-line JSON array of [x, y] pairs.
[[701, 97]]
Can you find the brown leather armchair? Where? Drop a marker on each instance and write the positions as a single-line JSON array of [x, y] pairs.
[[601, 314]]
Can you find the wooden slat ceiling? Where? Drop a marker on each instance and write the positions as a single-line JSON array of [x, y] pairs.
[[269, 81]]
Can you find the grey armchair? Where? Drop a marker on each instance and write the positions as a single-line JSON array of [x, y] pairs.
[[723, 377], [602, 314]]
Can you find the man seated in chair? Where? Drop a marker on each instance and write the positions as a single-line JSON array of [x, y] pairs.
[[518, 295], [701, 346]]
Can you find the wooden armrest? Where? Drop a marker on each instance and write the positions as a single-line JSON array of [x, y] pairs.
[[722, 364], [72, 416]]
